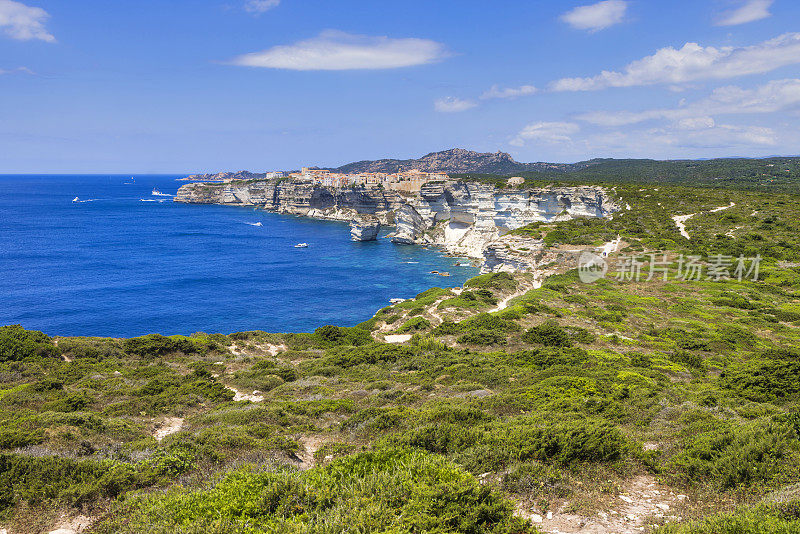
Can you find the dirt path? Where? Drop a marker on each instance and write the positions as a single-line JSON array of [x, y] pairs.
[[523, 288], [170, 425], [311, 444], [640, 501], [255, 396], [680, 220], [73, 525]]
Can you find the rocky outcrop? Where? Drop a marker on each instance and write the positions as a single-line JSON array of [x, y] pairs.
[[410, 225], [365, 228], [459, 160]]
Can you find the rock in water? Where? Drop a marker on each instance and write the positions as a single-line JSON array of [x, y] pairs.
[[410, 226], [365, 229]]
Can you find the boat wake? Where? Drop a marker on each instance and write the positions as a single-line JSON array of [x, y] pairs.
[[151, 200], [157, 193], [410, 262], [77, 200]]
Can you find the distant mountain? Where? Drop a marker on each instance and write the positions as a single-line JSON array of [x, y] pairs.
[[459, 160]]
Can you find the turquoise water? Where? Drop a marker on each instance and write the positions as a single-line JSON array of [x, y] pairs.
[[118, 266]]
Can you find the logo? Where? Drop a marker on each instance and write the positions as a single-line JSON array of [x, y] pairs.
[[591, 267]]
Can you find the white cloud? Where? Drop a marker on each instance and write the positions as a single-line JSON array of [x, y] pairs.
[[334, 50], [452, 104], [509, 92], [24, 23], [597, 16], [693, 62], [546, 132], [715, 136], [260, 6], [774, 96], [752, 10], [18, 70], [696, 123]]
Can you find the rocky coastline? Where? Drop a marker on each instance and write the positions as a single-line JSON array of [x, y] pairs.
[[469, 219]]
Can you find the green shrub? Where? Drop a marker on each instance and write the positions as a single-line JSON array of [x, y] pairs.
[[339, 335], [483, 337], [726, 455], [534, 479], [17, 344], [500, 281], [764, 380], [778, 518], [415, 324], [549, 334], [385, 491], [686, 358], [41, 480], [155, 345]]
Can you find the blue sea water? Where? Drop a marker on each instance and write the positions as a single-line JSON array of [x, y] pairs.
[[114, 265]]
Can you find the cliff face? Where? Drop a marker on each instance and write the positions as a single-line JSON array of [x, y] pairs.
[[365, 228], [299, 198], [463, 217]]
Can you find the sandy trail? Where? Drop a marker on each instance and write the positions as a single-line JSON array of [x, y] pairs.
[[170, 425], [641, 499], [732, 204], [397, 338], [680, 220], [255, 396], [311, 444], [524, 287]]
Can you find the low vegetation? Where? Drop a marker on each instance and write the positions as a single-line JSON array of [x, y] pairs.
[[559, 402]]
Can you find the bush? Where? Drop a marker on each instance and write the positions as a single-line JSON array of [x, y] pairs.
[[499, 281], [779, 518], [155, 345], [17, 344], [385, 491], [339, 335], [415, 324], [482, 321], [549, 334], [484, 337], [725, 455], [534, 479], [41, 480], [691, 360], [764, 380]]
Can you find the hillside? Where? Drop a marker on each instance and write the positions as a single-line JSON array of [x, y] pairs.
[[459, 160], [622, 406]]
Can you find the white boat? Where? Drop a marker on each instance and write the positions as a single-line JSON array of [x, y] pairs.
[[157, 193], [255, 223], [301, 245], [76, 199]]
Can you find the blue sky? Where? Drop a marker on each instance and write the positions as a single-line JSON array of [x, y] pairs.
[[207, 85]]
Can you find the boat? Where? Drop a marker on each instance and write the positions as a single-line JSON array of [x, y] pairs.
[[157, 193], [444, 273], [301, 245], [76, 199], [434, 272], [255, 223]]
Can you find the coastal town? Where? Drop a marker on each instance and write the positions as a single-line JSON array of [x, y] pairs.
[[410, 181]]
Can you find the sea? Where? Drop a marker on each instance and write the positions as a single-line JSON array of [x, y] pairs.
[[104, 256]]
